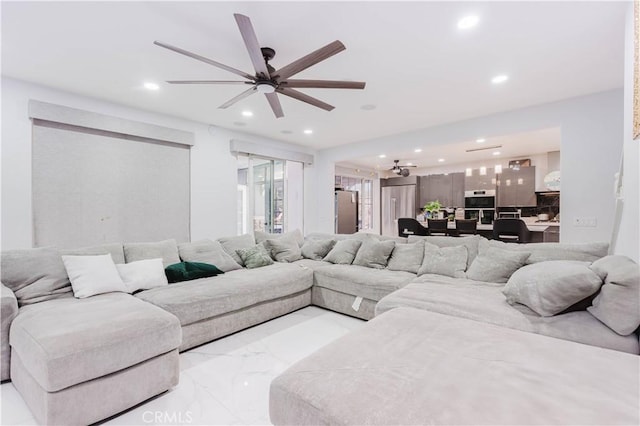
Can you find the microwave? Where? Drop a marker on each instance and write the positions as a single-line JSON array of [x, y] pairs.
[[482, 199]]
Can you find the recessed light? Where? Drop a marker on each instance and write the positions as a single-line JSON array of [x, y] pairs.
[[440, 160], [382, 156], [496, 152], [247, 113], [409, 164], [417, 150], [307, 131], [481, 140], [499, 79], [468, 22], [151, 86]]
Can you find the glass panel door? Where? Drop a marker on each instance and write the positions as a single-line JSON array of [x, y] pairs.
[[263, 200]]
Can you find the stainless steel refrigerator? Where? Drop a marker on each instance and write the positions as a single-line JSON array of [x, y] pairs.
[[396, 201], [346, 208]]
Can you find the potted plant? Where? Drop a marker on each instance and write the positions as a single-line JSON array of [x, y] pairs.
[[433, 207]]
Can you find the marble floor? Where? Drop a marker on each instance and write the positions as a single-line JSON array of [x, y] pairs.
[[226, 381]]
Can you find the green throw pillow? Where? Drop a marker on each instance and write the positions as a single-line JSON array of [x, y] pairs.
[[186, 271], [255, 257]]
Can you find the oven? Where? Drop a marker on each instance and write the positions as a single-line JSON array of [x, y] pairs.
[[482, 199]]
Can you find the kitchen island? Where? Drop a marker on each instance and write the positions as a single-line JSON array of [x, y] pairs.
[[541, 231]]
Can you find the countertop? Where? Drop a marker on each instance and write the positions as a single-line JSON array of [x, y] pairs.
[[530, 221]]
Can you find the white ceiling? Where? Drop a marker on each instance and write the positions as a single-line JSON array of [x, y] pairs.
[[517, 145], [419, 68]]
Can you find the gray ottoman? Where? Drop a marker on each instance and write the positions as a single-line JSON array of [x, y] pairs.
[[409, 366]]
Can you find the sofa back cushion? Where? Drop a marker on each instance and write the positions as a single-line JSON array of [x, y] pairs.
[[285, 248], [374, 254], [343, 252], [471, 243], [207, 251], [548, 288], [116, 250], [618, 304], [407, 257], [232, 244], [261, 237], [167, 250], [542, 252], [317, 249], [35, 275]]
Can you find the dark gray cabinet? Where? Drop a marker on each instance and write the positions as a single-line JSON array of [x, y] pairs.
[[478, 182], [517, 188], [446, 188]]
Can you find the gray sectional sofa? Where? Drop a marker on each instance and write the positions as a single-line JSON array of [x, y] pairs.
[[64, 354]]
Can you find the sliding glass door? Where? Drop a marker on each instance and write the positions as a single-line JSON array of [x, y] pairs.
[[262, 194]]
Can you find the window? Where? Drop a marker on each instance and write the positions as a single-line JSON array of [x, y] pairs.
[[365, 197]]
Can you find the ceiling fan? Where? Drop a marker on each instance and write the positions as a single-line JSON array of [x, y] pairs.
[[267, 79], [400, 170]]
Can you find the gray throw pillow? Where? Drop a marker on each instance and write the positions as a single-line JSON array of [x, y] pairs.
[[35, 275], [374, 254], [116, 250], [343, 252], [317, 249], [167, 250], [407, 257], [296, 234], [495, 265], [207, 251], [549, 288], [470, 242], [284, 249], [232, 244], [255, 257], [618, 304], [448, 261]]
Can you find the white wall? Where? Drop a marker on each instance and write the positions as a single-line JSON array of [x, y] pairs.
[[628, 238], [591, 128], [213, 168]]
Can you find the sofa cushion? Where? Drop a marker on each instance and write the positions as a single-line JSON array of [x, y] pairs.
[[312, 264], [542, 252], [91, 275], [207, 251], [284, 249], [485, 302], [618, 304], [35, 275], [407, 257], [418, 368], [343, 252], [116, 250], [550, 287], [296, 235], [361, 281], [206, 298], [232, 244], [69, 341], [167, 250], [316, 249], [8, 311], [449, 261], [142, 274], [255, 257], [495, 265], [471, 243], [374, 254]]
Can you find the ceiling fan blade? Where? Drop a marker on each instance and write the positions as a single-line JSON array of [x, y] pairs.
[[311, 59], [305, 98], [323, 84], [205, 60], [238, 98], [275, 104], [207, 82], [251, 42]]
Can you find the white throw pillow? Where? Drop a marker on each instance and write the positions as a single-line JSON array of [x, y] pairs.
[[91, 275], [143, 274]]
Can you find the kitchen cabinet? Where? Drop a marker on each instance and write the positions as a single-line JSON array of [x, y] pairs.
[[478, 182], [446, 188], [516, 188]]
